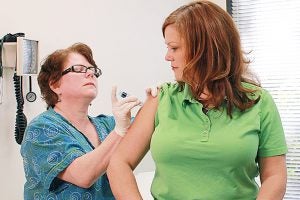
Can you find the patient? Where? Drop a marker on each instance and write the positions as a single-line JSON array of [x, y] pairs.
[[214, 130]]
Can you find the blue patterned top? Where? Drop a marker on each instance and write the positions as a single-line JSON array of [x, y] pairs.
[[51, 144]]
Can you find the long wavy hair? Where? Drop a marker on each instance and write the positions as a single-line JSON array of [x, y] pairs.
[[214, 58]]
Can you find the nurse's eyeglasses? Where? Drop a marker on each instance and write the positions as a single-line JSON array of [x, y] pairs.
[[82, 69]]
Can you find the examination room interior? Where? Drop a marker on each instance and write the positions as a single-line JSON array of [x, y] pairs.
[[128, 46]]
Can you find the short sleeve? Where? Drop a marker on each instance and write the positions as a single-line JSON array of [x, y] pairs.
[[162, 91], [272, 140], [49, 146], [104, 125]]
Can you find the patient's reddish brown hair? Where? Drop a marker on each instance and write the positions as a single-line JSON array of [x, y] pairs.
[[215, 60]]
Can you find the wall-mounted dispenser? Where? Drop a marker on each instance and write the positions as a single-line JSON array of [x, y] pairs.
[[9, 54]]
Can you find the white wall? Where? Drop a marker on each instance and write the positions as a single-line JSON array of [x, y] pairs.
[[127, 43]]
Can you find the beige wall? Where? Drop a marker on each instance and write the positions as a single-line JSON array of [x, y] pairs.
[[221, 3], [127, 43]]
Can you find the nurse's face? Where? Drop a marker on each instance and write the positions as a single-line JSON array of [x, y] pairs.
[[77, 86]]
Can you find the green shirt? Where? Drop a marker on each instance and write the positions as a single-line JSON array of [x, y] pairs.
[[211, 156]]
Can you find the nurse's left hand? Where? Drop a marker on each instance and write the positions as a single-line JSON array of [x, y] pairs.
[[153, 90]]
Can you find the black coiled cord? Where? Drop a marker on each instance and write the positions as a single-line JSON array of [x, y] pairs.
[[21, 121]]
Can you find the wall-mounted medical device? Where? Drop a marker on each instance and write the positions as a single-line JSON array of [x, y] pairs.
[[20, 54]]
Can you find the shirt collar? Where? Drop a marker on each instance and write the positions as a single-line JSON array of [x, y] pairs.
[[187, 95]]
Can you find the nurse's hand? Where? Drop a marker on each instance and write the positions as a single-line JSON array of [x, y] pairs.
[[121, 111], [153, 90]]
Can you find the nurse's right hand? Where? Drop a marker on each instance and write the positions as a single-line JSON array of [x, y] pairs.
[[121, 111]]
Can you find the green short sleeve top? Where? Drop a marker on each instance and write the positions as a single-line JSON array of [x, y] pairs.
[[211, 156]]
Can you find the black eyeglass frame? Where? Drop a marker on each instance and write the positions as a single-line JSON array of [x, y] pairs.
[[97, 72]]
